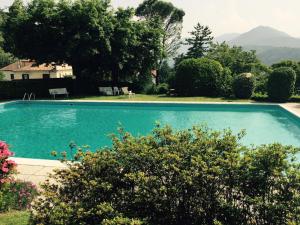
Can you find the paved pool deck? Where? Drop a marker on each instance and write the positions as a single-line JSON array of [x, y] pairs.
[[37, 171]]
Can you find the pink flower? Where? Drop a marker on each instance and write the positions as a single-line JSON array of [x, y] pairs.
[[5, 167], [11, 163], [4, 151]]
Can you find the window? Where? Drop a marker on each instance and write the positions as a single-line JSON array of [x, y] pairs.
[[12, 76], [46, 76], [25, 76]]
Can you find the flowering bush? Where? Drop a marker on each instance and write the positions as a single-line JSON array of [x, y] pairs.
[[13, 194], [7, 167], [17, 195]]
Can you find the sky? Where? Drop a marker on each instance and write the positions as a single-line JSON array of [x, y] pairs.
[[231, 16]]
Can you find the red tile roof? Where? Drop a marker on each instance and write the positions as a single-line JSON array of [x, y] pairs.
[[28, 65]]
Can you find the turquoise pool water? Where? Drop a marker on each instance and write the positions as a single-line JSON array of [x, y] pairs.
[[35, 129]]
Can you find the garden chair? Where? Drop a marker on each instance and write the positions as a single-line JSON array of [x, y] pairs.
[[59, 91], [126, 92], [106, 90], [116, 91]]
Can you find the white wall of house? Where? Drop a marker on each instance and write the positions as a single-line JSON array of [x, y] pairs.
[[18, 75]]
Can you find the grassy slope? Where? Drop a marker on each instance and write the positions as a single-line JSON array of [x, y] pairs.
[[14, 218]]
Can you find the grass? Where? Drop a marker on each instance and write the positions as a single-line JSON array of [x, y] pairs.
[[14, 218], [141, 97]]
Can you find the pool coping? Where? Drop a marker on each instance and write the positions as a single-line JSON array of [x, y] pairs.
[[50, 165]]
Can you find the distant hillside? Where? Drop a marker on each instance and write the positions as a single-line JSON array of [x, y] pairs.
[[226, 37], [270, 44]]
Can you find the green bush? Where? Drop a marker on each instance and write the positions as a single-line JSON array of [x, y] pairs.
[[188, 177], [162, 88], [293, 65], [17, 195], [244, 85], [281, 84], [198, 77]]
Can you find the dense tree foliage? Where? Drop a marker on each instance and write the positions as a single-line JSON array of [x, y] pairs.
[[243, 85], [199, 42], [169, 19], [235, 58], [5, 57], [189, 177], [90, 35], [196, 77], [281, 84]]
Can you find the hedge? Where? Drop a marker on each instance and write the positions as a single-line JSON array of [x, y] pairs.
[[281, 84], [244, 85], [198, 77]]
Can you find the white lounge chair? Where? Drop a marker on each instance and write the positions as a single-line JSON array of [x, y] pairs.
[[126, 92], [59, 91], [116, 91], [106, 90]]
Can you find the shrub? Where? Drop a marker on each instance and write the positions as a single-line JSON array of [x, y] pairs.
[[281, 84], [17, 195], [13, 194], [195, 77], [195, 176], [162, 88], [293, 65], [244, 85]]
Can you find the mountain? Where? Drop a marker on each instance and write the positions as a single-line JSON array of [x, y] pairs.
[[271, 45], [226, 37], [266, 36]]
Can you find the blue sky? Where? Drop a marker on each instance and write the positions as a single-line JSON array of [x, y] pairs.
[[227, 16]]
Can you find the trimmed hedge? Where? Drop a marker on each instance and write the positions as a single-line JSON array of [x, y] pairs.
[[198, 77], [244, 85], [281, 84]]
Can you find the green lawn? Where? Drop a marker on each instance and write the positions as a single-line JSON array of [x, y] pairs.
[[14, 218], [141, 97]]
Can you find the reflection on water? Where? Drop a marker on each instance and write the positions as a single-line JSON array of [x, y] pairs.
[[34, 130]]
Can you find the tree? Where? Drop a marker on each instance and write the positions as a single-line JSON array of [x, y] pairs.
[[169, 19], [11, 26], [199, 41], [235, 58], [135, 46], [90, 35], [170, 177]]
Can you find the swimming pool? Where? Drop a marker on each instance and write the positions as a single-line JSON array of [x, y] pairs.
[[34, 129]]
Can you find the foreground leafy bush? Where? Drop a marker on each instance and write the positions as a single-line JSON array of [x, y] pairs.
[[195, 176], [244, 85], [198, 77], [281, 84]]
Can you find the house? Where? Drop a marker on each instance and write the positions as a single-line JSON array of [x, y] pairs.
[[29, 69]]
